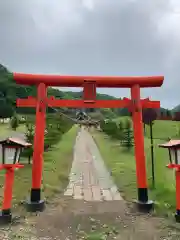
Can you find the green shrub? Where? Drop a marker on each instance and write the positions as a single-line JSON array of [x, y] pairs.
[[29, 134], [128, 137], [56, 126], [123, 131], [14, 122], [120, 131], [111, 129]]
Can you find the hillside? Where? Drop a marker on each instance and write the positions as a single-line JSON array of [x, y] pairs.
[[176, 109], [9, 91]]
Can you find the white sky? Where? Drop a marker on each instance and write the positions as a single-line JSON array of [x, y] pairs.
[[95, 37]]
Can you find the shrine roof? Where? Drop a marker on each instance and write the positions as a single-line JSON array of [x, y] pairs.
[[170, 144], [17, 141]]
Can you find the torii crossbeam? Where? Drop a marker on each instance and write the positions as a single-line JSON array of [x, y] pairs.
[[89, 84]]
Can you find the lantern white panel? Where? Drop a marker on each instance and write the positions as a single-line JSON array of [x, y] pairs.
[[173, 156], [178, 156], [1, 155], [18, 155], [9, 155]]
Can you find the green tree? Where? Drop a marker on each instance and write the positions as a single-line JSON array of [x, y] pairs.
[[168, 113], [57, 125], [6, 109], [111, 128], [102, 125], [29, 132], [124, 112], [120, 132], [128, 136], [29, 138], [14, 122]]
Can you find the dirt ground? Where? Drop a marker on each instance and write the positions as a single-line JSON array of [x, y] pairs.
[[69, 219]]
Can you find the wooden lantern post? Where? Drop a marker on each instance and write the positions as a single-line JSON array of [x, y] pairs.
[[173, 147], [6, 215], [89, 84], [10, 150]]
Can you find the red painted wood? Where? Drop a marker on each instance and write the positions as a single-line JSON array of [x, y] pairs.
[[172, 165], [37, 166], [8, 186], [89, 91], [139, 138], [9, 180], [12, 166], [178, 189], [28, 102], [52, 102], [135, 105], [78, 81]]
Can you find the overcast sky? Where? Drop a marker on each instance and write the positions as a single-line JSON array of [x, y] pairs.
[[95, 37]]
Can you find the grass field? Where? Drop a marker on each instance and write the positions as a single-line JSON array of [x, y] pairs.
[[6, 131], [57, 163], [122, 164], [164, 129]]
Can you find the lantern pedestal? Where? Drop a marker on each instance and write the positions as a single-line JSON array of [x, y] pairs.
[[5, 214], [176, 166], [35, 204], [5, 217], [177, 216], [145, 206]]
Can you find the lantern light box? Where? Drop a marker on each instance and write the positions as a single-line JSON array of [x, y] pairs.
[[10, 150], [174, 152]]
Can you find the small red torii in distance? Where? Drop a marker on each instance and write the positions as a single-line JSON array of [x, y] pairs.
[[89, 84]]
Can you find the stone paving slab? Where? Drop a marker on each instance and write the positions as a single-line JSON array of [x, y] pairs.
[[96, 192], [88, 194], [89, 178], [78, 192], [69, 192]]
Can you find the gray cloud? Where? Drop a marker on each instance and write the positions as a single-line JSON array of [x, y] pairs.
[[100, 37]]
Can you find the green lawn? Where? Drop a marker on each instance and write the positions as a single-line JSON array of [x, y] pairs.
[[6, 131], [57, 163], [161, 129], [122, 164], [164, 129]]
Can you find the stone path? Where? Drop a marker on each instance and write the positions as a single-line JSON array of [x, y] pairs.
[[89, 179]]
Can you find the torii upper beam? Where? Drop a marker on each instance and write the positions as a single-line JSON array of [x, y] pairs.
[[78, 81]]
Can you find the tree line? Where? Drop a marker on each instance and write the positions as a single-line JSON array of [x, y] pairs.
[[56, 126], [10, 91]]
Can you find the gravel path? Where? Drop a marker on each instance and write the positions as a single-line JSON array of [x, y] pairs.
[[89, 179]]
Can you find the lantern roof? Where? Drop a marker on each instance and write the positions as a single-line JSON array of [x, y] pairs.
[[17, 141], [170, 144]]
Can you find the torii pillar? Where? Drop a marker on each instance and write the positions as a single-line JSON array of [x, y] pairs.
[[142, 187], [36, 203]]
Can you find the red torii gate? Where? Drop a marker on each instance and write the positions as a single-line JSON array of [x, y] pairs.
[[89, 84]]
